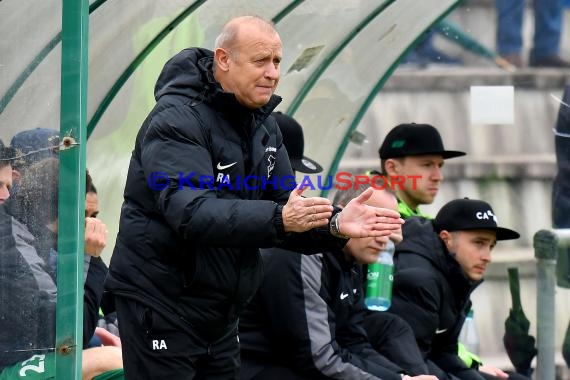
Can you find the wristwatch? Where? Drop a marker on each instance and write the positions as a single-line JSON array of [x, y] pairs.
[[334, 227]]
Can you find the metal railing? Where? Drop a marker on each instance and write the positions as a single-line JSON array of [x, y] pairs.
[[546, 246]]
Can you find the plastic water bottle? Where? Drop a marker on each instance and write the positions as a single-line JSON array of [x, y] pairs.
[[469, 336], [379, 280]]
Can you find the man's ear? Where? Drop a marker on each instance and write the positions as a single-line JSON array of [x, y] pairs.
[[222, 57], [16, 176], [391, 167], [446, 237]]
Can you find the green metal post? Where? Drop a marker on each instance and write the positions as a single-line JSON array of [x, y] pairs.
[[545, 251], [74, 65]]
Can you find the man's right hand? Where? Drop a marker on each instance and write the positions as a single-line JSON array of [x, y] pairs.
[[95, 236], [301, 214]]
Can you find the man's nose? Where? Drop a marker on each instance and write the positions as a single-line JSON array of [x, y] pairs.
[[437, 174], [383, 240], [272, 71], [487, 255], [4, 193]]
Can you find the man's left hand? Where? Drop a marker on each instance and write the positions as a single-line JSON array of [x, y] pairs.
[[359, 220]]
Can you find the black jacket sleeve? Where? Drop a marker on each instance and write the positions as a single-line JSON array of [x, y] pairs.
[[93, 292], [416, 298]]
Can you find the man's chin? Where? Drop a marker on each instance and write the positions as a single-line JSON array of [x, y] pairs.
[[427, 200], [254, 103], [476, 276], [369, 259]]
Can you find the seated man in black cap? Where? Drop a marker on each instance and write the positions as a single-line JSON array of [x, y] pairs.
[[412, 156], [438, 264]]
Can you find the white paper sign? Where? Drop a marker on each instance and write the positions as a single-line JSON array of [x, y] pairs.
[[492, 105]]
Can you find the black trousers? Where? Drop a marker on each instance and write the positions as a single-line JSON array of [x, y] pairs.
[[393, 337], [156, 347]]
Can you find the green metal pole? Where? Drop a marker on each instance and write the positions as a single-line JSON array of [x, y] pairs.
[[74, 65], [545, 251]]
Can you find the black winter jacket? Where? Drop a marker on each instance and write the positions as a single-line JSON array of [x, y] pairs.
[[308, 316], [432, 294], [190, 249], [27, 295]]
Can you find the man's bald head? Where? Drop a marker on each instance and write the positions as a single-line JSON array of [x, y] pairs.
[[229, 36]]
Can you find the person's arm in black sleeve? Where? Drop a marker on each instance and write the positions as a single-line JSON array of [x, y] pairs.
[[416, 298], [93, 292]]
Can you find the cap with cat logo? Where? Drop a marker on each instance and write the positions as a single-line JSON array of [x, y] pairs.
[[470, 214]]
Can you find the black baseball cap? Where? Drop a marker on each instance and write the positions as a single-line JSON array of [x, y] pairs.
[[414, 140], [470, 214], [295, 143]]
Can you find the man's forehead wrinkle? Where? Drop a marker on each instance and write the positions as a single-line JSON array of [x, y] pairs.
[[259, 46]]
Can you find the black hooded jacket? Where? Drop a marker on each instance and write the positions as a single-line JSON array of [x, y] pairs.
[[432, 294], [190, 229]]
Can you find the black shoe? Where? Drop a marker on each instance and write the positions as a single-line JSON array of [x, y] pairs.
[[550, 61]]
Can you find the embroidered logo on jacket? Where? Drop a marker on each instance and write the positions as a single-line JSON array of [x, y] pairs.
[[271, 166], [223, 167]]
